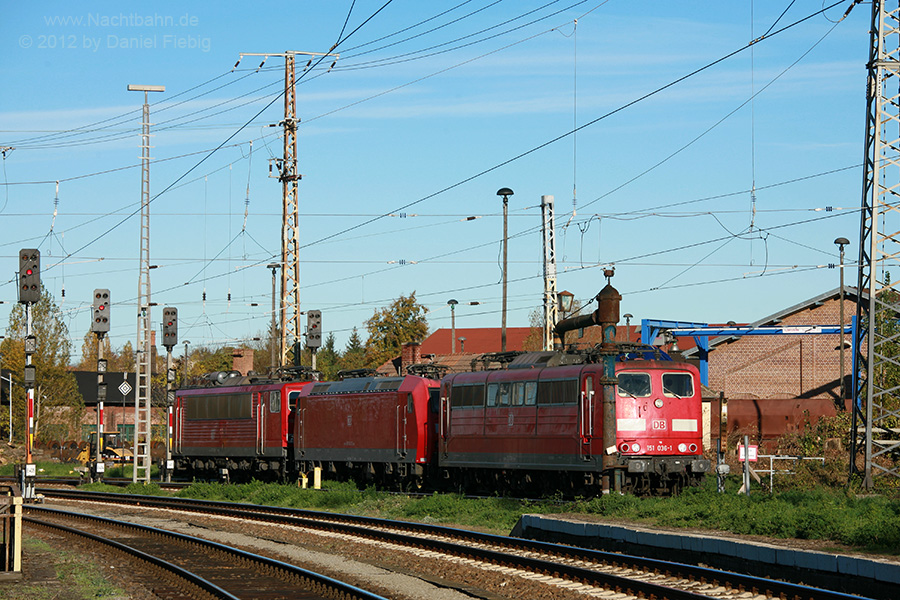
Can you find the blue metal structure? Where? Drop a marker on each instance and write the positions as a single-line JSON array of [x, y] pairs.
[[701, 332]]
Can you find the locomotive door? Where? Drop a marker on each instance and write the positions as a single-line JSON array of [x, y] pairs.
[[260, 400], [403, 406], [586, 415]]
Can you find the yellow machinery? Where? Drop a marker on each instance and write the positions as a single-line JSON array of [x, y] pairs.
[[111, 449]]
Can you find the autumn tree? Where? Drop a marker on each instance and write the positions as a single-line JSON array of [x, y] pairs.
[[116, 360], [58, 405], [391, 327]]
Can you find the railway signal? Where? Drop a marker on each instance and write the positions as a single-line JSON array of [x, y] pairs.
[[170, 326], [100, 312], [29, 275], [314, 329]]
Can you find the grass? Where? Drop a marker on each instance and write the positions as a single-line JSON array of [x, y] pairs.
[[869, 524], [80, 577], [809, 511], [58, 469]]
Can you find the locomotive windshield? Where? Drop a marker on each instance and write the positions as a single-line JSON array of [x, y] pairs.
[[679, 385], [636, 385]]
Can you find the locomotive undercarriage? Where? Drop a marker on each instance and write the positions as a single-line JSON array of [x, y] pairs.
[[569, 484], [383, 475], [231, 470]]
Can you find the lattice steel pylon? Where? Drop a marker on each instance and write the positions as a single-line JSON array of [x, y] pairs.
[[289, 306], [143, 362], [876, 402], [551, 313], [290, 224]]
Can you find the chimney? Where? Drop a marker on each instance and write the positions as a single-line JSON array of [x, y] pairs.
[[411, 355], [242, 360]]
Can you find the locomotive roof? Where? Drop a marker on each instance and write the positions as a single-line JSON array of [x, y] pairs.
[[361, 385]]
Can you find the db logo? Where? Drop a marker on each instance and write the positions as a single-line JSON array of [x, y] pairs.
[[659, 424]]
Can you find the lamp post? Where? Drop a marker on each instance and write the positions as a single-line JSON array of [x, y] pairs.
[[274, 267], [505, 193], [184, 376], [564, 305], [452, 304], [841, 242]]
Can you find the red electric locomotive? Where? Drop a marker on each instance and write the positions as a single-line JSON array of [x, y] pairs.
[[537, 426], [377, 430], [239, 428]]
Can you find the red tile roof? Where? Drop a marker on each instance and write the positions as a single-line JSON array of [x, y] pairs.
[[478, 340]]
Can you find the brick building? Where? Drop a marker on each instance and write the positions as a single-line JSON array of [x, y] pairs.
[[776, 383]]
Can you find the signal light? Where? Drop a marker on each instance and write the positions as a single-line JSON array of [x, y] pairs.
[[170, 326], [100, 312], [314, 329], [29, 275]]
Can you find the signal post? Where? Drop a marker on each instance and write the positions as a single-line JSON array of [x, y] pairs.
[[29, 293], [170, 338], [100, 327]]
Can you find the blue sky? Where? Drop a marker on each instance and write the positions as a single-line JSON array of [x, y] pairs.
[[424, 117]]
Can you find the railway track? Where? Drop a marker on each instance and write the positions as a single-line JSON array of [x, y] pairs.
[[176, 566], [588, 571]]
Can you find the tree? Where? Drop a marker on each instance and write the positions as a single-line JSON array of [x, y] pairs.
[[327, 359], [116, 361], [354, 355], [58, 405], [391, 327]]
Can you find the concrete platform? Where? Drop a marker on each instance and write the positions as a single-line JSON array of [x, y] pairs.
[[870, 577]]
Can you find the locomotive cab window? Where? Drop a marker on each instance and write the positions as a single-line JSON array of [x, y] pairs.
[[678, 385], [636, 385], [292, 400]]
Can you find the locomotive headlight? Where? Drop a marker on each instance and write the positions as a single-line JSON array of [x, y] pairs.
[[658, 403], [682, 447], [624, 447]]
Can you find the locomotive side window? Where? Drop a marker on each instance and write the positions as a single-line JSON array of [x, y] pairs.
[[492, 394], [503, 396], [678, 385], [467, 395], [224, 406], [530, 393], [634, 384], [292, 400], [518, 396], [275, 402], [563, 391]]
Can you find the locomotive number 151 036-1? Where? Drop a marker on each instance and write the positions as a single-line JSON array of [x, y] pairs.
[[660, 448]]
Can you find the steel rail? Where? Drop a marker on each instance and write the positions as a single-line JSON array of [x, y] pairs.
[[333, 587], [361, 527], [168, 569]]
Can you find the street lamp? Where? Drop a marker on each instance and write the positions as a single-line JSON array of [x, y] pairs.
[[841, 242], [564, 301], [452, 304], [274, 267], [564, 305], [628, 317], [505, 193], [184, 376]]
